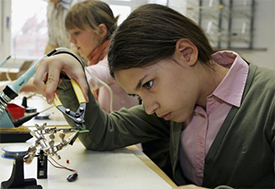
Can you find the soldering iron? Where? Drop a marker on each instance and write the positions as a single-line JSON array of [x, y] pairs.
[[11, 91]]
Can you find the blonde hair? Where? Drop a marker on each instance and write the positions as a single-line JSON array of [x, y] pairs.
[[88, 15]]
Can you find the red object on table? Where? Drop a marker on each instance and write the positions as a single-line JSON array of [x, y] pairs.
[[16, 111]]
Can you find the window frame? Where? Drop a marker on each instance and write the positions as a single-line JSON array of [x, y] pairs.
[[5, 29]]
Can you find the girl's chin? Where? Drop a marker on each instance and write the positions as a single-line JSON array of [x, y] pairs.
[[178, 119]]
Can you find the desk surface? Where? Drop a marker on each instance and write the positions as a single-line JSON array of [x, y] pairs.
[[110, 169], [124, 168]]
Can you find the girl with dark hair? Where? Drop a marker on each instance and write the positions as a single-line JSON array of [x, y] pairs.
[[212, 113]]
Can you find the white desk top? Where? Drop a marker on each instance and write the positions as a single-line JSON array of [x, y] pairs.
[[124, 168], [111, 169]]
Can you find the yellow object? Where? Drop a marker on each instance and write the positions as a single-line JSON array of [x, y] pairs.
[[79, 114], [78, 92], [21, 129]]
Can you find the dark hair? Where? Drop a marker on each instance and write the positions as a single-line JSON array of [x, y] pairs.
[[88, 15], [150, 34]]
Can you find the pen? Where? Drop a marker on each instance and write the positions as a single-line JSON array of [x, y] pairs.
[[5, 60]]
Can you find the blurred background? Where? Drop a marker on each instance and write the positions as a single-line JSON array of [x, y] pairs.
[[245, 26]]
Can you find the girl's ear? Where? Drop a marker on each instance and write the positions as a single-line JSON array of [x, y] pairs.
[[102, 31], [187, 50]]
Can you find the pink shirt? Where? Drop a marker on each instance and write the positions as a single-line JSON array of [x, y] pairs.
[[203, 126], [120, 97]]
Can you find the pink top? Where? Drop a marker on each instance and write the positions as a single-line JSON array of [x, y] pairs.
[[203, 126], [120, 97]]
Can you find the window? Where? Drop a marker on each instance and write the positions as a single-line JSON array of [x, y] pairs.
[[25, 33], [28, 28]]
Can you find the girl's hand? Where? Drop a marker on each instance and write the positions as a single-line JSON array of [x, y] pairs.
[[47, 74]]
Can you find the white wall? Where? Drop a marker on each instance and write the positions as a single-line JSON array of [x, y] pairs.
[[264, 33], [178, 5], [264, 36]]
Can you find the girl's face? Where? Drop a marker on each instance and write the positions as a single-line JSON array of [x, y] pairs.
[[166, 88], [85, 41]]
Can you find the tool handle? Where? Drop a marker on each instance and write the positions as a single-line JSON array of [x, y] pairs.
[[78, 92], [56, 100]]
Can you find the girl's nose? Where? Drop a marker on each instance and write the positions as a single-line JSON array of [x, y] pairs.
[[150, 106], [72, 40]]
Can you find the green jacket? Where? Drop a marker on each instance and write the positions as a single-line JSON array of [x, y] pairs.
[[241, 156]]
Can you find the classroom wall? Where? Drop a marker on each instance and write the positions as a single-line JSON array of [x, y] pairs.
[[264, 32], [264, 35]]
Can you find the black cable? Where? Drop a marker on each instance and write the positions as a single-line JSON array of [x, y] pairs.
[[71, 177]]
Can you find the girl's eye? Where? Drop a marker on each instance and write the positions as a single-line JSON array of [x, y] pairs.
[[149, 84], [77, 33]]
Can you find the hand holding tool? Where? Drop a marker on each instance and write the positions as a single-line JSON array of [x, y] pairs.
[[78, 116]]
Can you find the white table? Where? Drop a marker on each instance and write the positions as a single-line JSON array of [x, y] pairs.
[[110, 169], [124, 168]]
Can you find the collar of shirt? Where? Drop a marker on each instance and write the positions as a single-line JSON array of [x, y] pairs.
[[202, 128], [232, 86]]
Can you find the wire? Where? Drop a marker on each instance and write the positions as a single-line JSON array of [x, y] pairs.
[[105, 85], [60, 166], [46, 109]]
